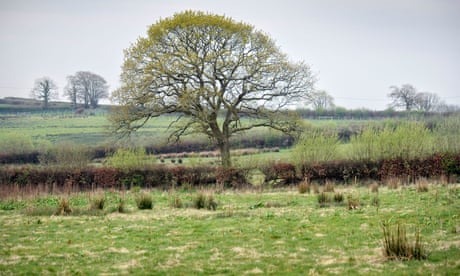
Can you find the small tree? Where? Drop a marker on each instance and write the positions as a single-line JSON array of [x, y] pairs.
[[200, 66], [45, 90]]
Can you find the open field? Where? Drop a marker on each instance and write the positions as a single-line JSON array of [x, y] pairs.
[[251, 232]]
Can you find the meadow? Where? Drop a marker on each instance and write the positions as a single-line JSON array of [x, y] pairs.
[[261, 231], [273, 224]]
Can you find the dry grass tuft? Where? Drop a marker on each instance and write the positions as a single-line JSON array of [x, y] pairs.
[[374, 187], [304, 187], [328, 187], [421, 185]]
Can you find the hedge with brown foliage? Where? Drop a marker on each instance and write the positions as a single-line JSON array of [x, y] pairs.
[[106, 177], [55, 178]]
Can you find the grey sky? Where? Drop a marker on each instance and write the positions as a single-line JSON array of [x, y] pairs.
[[358, 48]]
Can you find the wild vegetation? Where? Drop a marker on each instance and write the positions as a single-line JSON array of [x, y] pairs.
[[188, 231]]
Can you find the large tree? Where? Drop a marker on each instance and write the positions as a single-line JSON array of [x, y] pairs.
[[199, 66], [320, 99], [45, 90], [87, 88], [403, 97], [426, 101], [71, 90]]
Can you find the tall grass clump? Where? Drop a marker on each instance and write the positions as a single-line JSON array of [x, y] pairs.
[[304, 187], [144, 201], [203, 201], [397, 247], [129, 159], [98, 202], [316, 146], [324, 199]]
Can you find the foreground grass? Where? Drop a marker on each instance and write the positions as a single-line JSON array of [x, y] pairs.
[[272, 232]]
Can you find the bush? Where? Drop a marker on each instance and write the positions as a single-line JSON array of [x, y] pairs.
[[66, 155], [129, 159], [15, 143], [316, 146], [144, 201], [396, 246], [406, 140]]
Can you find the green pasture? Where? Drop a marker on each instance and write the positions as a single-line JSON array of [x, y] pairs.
[[251, 232]]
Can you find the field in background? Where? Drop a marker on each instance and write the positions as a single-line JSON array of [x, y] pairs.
[[250, 232]]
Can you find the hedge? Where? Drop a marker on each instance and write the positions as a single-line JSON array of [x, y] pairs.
[[161, 176]]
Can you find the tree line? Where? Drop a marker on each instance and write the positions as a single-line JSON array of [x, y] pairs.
[[83, 88]]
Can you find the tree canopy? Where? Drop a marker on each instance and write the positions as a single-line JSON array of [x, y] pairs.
[[199, 66]]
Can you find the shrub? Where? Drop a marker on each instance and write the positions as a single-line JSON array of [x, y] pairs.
[[67, 155], [304, 187], [15, 143], [316, 146], [396, 246], [406, 140], [129, 159], [144, 201]]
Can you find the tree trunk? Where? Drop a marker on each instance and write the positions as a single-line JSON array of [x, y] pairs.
[[224, 148]]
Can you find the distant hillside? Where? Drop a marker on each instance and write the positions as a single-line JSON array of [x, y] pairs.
[[14, 104]]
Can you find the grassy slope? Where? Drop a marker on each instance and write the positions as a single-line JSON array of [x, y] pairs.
[[297, 237]]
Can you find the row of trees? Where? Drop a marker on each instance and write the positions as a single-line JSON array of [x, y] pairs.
[[405, 97], [85, 88], [408, 98]]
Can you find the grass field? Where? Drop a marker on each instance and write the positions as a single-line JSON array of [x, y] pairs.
[[251, 232]]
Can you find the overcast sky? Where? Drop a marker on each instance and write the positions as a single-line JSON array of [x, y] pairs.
[[357, 48]]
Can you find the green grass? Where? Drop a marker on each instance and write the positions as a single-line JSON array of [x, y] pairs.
[[271, 232]]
